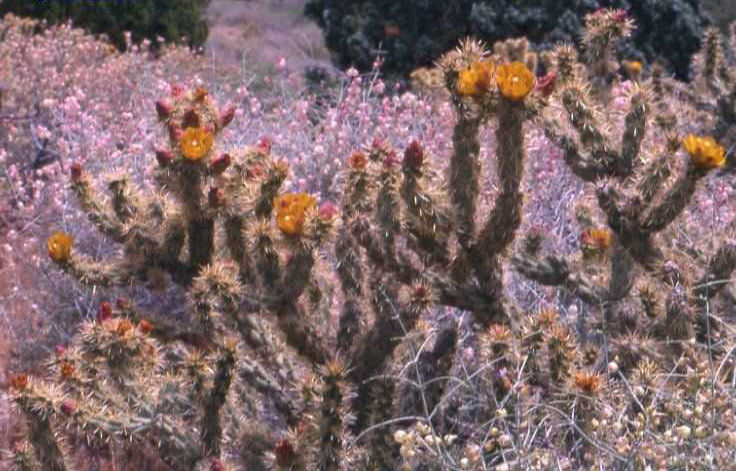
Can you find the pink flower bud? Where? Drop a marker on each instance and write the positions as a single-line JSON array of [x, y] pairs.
[[546, 84], [414, 155], [164, 157], [177, 90], [391, 159], [68, 407], [227, 116], [104, 313], [327, 211], [221, 163], [76, 172], [175, 132], [216, 196], [60, 350], [164, 109], [264, 145]]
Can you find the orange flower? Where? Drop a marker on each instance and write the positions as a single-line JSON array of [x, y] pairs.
[[19, 382], [67, 369], [633, 67], [60, 247], [196, 143], [514, 80], [705, 153], [476, 79], [291, 209], [588, 383]]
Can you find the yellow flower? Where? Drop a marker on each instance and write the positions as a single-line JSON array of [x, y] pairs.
[[196, 143], [514, 80], [705, 153], [476, 79], [60, 247], [633, 67], [291, 209]]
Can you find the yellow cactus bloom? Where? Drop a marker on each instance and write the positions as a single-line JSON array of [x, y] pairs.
[[514, 80], [476, 79], [705, 153], [291, 211], [60, 247], [633, 67], [196, 143]]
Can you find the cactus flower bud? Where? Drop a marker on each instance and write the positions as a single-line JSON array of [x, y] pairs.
[[414, 155], [546, 84], [221, 163], [217, 465], [177, 90], [76, 172], [391, 159], [227, 116], [357, 161], [216, 197], [164, 157], [327, 211], [60, 350], [164, 109], [19, 382], [145, 326], [104, 313], [123, 304], [190, 120], [68, 407], [200, 94], [175, 132], [264, 145], [284, 453]]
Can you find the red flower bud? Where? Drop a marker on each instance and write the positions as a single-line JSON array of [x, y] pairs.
[[145, 326], [164, 157], [254, 171], [327, 211], [620, 16], [200, 94], [221, 163], [76, 172], [284, 453], [227, 116], [546, 84], [216, 196], [177, 90], [68, 407], [175, 132], [264, 145], [190, 120], [217, 465], [414, 155], [164, 109], [357, 160], [391, 159], [104, 313]]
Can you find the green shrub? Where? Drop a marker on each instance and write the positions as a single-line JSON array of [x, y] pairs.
[[145, 19], [415, 32]]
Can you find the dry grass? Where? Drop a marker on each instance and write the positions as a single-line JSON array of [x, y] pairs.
[[259, 33]]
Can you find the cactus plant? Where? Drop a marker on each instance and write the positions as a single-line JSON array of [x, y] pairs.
[[271, 371]]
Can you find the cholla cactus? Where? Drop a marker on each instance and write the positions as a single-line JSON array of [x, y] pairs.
[[267, 344]]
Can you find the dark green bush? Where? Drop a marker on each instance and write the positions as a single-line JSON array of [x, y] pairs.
[[415, 32], [169, 19]]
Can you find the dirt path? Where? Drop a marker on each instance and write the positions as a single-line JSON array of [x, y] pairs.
[[260, 32]]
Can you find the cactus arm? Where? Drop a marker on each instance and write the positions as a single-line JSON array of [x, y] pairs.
[[719, 270], [211, 420], [674, 201], [90, 202], [464, 176]]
